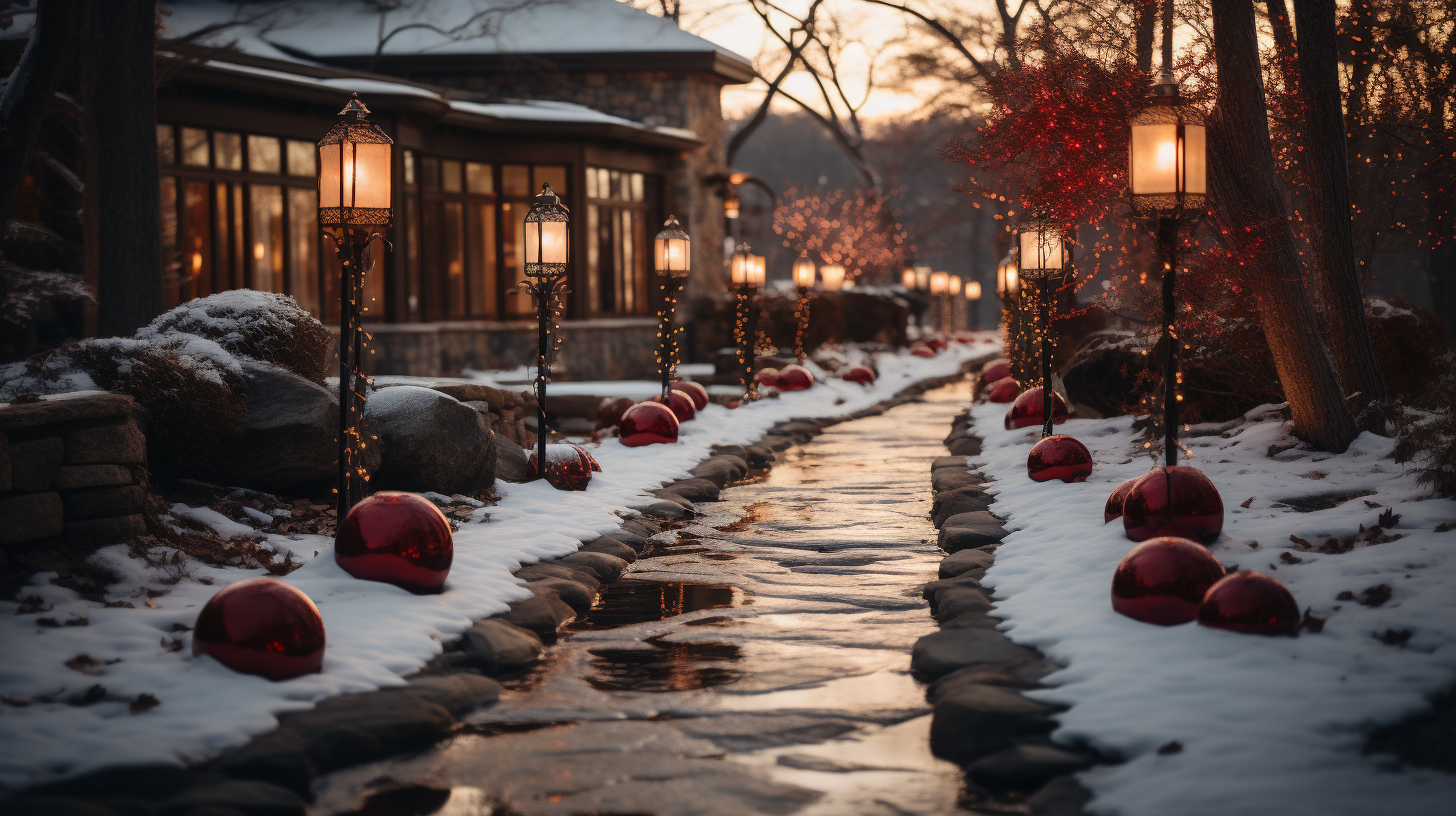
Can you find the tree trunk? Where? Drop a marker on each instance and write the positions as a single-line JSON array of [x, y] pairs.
[[1332, 239], [1249, 202], [121, 152], [1147, 21], [30, 89]]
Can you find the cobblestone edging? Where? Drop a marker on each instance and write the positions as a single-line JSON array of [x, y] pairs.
[[975, 674], [272, 775]]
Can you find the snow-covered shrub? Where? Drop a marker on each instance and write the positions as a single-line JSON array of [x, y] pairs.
[[1410, 344], [260, 326]]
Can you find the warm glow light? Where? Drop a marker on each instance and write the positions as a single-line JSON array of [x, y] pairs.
[[546, 236], [740, 268], [939, 281], [1165, 169], [907, 278], [955, 285], [1040, 245], [673, 250], [355, 171], [922, 277], [804, 272], [545, 242], [730, 204], [973, 290], [832, 275], [196, 262], [259, 251], [758, 271], [849, 284]]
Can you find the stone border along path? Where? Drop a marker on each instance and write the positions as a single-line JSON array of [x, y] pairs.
[[975, 673], [272, 775]]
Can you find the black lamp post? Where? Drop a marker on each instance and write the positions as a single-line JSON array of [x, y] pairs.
[[1043, 258], [741, 277], [354, 173], [803, 272], [673, 259], [547, 238]]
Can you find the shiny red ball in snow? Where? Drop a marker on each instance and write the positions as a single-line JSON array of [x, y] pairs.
[[398, 538], [261, 626], [1177, 500], [1059, 457], [1251, 603], [698, 393], [1163, 581], [1026, 410], [794, 377], [995, 370], [864, 375], [568, 467], [922, 350], [1113, 508], [647, 423], [1003, 390], [681, 405], [768, 377]]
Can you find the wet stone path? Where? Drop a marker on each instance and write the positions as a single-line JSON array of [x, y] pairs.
[[756, 660]]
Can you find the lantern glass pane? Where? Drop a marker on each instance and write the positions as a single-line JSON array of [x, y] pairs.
[[354, 175], [804, 273], [1041, 250], [907, 278], [1154, 169], [672, 256], [738, 268], [545, 242], [955, 284], [1196, 179]]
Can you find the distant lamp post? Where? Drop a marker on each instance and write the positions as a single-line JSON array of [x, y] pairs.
[[354, 196], [741, 276], [939, 282], [952, 301], [907, 278], [1043, 259], [831, 276], [731, 204], [973, 298], [546, 238], [804, 271], [673, 259]]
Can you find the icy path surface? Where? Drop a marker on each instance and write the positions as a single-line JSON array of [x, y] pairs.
[[1267, 725], [377, 633], [757, 663]]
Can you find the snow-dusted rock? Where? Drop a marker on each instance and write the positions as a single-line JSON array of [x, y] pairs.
[[431, 442], [252, 325], [290, 438], [497, 647]]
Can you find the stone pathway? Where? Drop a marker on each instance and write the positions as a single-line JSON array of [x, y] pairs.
[[756, 660]]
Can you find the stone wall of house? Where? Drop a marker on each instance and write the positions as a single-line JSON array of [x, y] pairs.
[[600, 349], [71, 471]]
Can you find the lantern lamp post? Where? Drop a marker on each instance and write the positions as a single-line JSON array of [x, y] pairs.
[[1043, 258], [547, 238], [355, 161], [804, 272], [741, 275], [831, 277], [973, 299], [673, 259], [938, 282], [952, 301], [907, 278]]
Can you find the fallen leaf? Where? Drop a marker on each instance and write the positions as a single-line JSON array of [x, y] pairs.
[[86, 664], [1247, 502], [143, 702], [1446, 526], [1290, 558], [1173, 747], [1372, 505], [1313, 474], [151, 604], [1376, 595], [1312, 624], [1299, 543], [1389, 518]]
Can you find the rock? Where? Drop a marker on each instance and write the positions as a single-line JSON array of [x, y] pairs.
[[274, 757], [512, 462], [33, 464], [497, 647], [107, 530], [495, 397], [1063, 796], [952, 478], [759, 457], [57, 408], [964, 561], [355, 728], [566, 572], [107, 501], [955, 602], [955, 539], [457, 693], [77, 477], [1023, 767], [543, 613], [695, 490], [250, 797], [631, 539], [605, 567], [431, 442], [959, 500], [948, 461], [29, 516], [575, 594], [773, 442], [121, 443], [55, 806], [1103, 372], [731, 450], [289, 441], [610, 546], [665, 509], [668, 495], [941, 653], [965, 446], [721, 470], [645, 527], [973, 720]]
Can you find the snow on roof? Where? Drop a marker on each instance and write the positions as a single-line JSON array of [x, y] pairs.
[[327, 29]]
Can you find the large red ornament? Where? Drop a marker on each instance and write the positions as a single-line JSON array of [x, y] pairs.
[[864, 375], [937, 343], [768, 377], [995, 371], [611, 411], [568, 467], [398, 538], [1059, 457], [681, 405], [794, 377], [922, 350], [1026, 411], [1163, 581], [1177, 500], [696, 391], [1005, 389], [1252, 603], [647, 423], [261, 626], [1113, 508]]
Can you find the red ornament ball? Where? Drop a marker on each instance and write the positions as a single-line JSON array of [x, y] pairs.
[[261, 626], [1059, 457], [568, 467], [1113, 509], [681, 405], [995, 371], [922, 350], [937, 343], [1163, 581], [1003, 390], [794, 377], [398, 538], [1177, 500], [696, 391], [864, 375], [1026, 411], [1252, 603], [647, 423], [768, 377], [611, 411]]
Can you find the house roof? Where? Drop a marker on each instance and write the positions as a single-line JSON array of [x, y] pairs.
[[482, 35]]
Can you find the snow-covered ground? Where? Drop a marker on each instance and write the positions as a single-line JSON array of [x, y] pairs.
[[377, 633], [1266, 725]]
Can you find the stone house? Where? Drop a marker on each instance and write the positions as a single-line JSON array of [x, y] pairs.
[[486, 99]]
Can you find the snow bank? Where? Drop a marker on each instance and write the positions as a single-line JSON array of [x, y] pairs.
[[1267, 725], [377, 633]]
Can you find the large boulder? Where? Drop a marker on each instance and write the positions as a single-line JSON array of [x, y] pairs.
[[431, 441], [1103, 372]]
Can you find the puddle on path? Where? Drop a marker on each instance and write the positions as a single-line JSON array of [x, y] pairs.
[[756, 661]]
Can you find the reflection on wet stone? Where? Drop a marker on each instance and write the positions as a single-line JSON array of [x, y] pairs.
[[630, 601], [667, 666]]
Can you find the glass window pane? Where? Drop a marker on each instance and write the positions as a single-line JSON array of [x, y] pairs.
[[482, 260], [513, 253], [301, 158], [166, 145], [409, 167], [516, 180], [604, 183], [227, 151], [171, 269], [303, 274], [264, 155], [478, 178], [194, 147], [593, 253], [591, 182], [637, 186], [614, 185], [453, 254], [266, 253], [196, 241], [412, 260], [552, 174], [430, 169], [450, 176], [629, 265]]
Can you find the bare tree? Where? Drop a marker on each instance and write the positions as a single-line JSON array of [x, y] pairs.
[[30, 90]]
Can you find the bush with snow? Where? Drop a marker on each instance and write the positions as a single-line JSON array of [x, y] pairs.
[[262, 326]]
